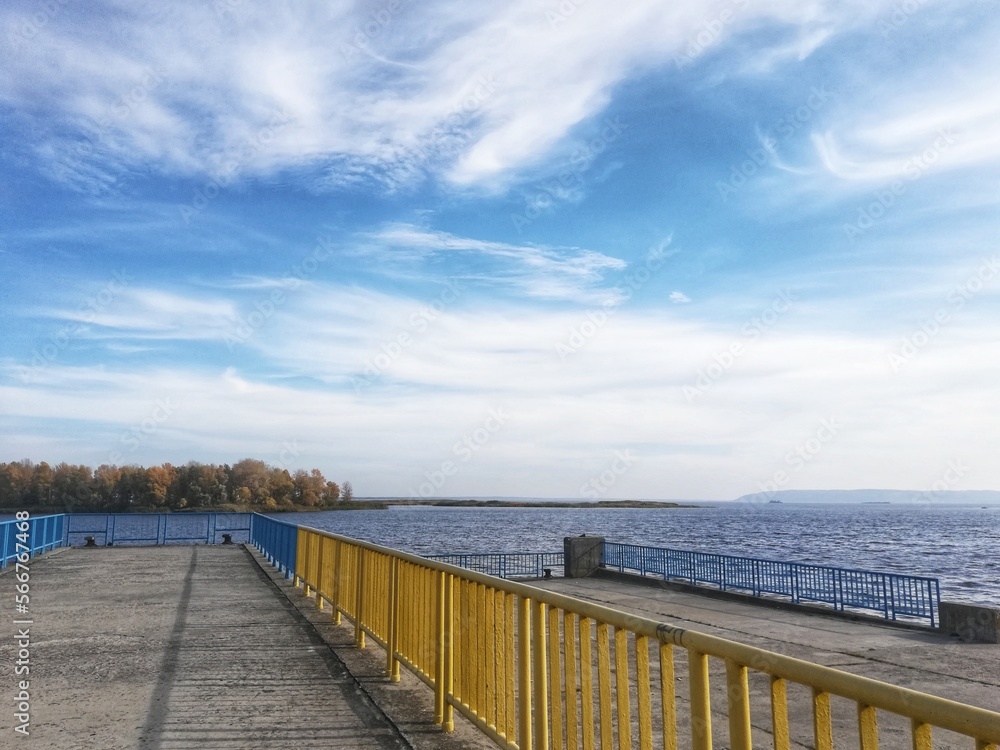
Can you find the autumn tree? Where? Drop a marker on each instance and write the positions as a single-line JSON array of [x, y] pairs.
[[249, 483], [310, 487], [249, 479], [105, 485], [40, 487], [72, 485], [280, 487], [199, 486], [15, 480], [347, 492]]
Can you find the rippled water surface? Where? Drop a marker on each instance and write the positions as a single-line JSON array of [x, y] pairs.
[[959, 545]]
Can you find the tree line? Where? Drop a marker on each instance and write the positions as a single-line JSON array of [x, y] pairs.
[[245, 485]]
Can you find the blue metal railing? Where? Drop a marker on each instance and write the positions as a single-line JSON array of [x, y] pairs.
[[116, 529], [889, 593], [32, 536], [505, 564], [276, 540], [45, 533]]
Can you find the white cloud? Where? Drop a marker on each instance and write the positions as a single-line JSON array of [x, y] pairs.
[[679, 298], [256, 88], [943, 119], [617, 390], [537, 271]]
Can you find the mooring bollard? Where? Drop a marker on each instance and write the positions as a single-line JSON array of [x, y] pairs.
[[547, 572], [227, 538], [90, 541]]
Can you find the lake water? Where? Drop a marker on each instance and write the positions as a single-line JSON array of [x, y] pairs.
[[960, 545]]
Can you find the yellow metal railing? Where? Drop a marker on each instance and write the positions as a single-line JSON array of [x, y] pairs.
[[536, 670]]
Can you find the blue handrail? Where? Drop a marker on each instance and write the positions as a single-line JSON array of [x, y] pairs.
[[277, 540], [891, 594], [504, 564], [31, 536], [116, 529]]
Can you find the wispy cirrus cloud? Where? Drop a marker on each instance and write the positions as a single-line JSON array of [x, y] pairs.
[[554, 273], [257, 89], [946, 118]]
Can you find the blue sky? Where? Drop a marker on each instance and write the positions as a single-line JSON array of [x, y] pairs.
[[557, 249]]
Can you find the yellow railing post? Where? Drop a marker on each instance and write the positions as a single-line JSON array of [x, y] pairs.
[[555, 680], [524, 723], [318, 577], [779, 714], [668, 702], [540, 697], [392, 624], [337, 571], [738, 690], [867, 727], [823, 721], [921, 735], [569, 661], [621, 690], [586, 685], [307, 571], [448, 655], [440, 697], [604, 685], [643, 684], [701, 702], [359, 599]]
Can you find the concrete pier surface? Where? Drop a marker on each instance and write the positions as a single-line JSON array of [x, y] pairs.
[[186, 647]]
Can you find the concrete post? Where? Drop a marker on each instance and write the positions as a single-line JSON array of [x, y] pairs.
[[582, 555], [971, 623]]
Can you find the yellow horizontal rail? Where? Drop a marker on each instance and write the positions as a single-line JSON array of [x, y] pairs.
[[501, 652]]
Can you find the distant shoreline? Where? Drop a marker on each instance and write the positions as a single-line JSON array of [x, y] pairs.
[[374, 504], [450, 503]]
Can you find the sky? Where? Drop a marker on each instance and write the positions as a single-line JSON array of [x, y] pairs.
[[687, 249]]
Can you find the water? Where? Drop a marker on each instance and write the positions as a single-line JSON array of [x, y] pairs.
[[960, 545]]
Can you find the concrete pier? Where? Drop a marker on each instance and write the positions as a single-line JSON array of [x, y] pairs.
[[188, 647]]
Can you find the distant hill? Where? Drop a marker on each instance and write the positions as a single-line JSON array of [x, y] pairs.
[[900, 497]]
